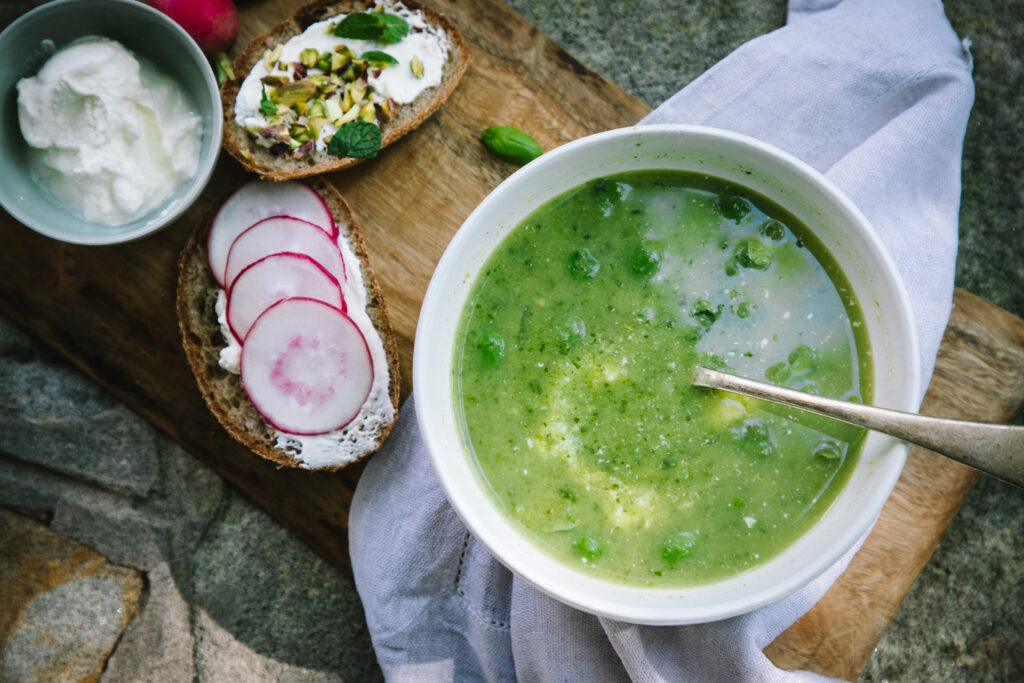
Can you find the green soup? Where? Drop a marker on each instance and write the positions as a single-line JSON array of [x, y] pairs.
[[573, 375]]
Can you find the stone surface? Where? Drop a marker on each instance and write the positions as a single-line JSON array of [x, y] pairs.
[[652, 48], [158, 645], [220, 657], [65, 606], [73, 456], [277, 597], [54, 416], [962, 620]]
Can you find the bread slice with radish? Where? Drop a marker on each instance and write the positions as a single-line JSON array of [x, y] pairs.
[[296, 363]]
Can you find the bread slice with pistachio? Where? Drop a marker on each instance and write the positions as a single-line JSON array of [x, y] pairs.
[[209, 346], [326, 88]]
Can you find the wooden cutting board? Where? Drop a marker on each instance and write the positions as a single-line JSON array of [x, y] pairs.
[[110, 310]]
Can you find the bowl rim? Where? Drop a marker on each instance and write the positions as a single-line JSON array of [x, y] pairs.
[[427, 410], [196, 184]]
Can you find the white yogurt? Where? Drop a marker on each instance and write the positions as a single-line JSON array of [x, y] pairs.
[[359, 436], [397, 81], [112, 136]]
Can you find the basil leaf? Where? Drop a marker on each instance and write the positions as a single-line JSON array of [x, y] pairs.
[[267, 106], [511, 144], [356, 139], [377, 57], [380, 28]]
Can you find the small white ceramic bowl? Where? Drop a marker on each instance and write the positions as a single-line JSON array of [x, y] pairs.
[[766, 170], [144, 31]]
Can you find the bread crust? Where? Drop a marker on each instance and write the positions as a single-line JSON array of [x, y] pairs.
[[262, 161], [202, 338]]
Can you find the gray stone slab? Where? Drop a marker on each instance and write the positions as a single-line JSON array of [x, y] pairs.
[[652, 48], [55, 416], [131, 531], [277, 597], [158, 645], [65, 606], [65, 633], [964, 617], [219, 656]]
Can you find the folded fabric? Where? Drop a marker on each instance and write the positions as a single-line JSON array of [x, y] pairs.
[[872, 93]]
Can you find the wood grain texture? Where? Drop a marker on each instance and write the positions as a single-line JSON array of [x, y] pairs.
[[110, 310]]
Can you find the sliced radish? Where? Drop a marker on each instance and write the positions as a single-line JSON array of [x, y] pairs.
[[283, 234], [306, 367], [277, 277], [255, 201]]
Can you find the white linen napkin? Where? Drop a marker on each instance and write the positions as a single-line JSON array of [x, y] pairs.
[[873, 93]]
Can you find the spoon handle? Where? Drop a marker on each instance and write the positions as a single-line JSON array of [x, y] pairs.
[[992, 448]]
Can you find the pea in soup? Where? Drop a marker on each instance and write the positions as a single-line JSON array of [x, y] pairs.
[[574, 359]]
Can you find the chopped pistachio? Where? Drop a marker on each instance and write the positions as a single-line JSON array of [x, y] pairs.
[[274, 81], [271, 56], [297, 91], [299, 133], [339, 61], [346, 100], [368, 113], [308, 57], [316, 108], [332, 109], [351, 115], [323, 62], [378, 9], [349, 74], [388, 109], [416, 66], [315, 124], [300, 107], [357, 89]]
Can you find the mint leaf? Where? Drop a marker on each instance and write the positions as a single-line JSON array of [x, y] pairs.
[[359, 26], [267, 106], [356, 139], [395, 28], [378, 58], [380, 28]]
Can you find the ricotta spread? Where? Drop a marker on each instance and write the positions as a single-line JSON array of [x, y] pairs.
[[396, 82], [112, 136], [359, 436]]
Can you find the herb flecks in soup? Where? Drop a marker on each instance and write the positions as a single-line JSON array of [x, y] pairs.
[[574, 363]]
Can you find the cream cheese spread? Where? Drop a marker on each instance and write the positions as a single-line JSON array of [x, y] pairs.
[[398, 82], [112, 136], [359, 436]]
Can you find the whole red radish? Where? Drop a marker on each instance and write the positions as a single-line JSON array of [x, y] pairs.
[[213, 24]]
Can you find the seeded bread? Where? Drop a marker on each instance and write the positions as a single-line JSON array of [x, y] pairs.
[[203, 340], [261, 160]]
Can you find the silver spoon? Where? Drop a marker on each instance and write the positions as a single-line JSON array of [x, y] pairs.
[[992, 448]]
